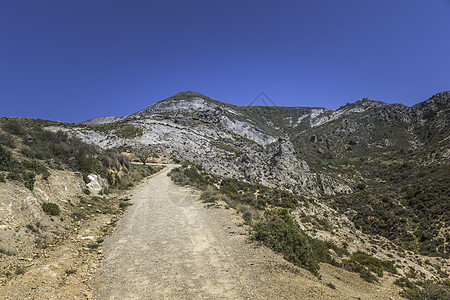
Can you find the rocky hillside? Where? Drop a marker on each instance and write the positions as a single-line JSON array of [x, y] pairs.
[[368, 157], [270, 144]]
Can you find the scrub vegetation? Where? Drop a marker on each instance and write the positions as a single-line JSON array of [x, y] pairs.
[[267, 211]]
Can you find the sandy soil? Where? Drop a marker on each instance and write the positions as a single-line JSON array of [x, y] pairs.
[[170, 246]]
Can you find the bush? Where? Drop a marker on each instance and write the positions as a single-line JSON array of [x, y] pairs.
[[13, 126], [79, 156], [211, 194], [125, 182], [124, 205], [404, 283], [249, 213], [366, 265], [93, 245], [7, 140], [425, 290], [20, 271], [6, 159], [290, 241], [389, 265], [280, 233], [190, 175], [364, 259], [361, 186], [50, 209], [25, 171], [29, 179], [367, 275], [410, 206], [124, 161], [70, 271]]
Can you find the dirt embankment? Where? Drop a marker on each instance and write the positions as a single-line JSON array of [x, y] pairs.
[[51, 256]]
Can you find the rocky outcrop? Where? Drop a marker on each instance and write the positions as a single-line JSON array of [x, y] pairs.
[[97, 184]]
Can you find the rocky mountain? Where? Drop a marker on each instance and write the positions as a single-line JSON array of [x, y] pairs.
[[367, 150], [270, 144]]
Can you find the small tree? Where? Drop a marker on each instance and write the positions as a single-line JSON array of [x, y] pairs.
[[143, 153]]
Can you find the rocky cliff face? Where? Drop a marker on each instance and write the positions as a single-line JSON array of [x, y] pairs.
[[270, 144]]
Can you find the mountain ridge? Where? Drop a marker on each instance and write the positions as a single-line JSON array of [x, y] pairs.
[[189, 95]]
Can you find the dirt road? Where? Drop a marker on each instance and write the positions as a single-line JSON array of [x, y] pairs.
[[169, 246]]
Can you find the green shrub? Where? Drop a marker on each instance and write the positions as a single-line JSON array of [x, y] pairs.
[[280, 233], [361, 186], [29, 179], [124, 205], [190, 175], [93, 246], [367, 275], [389, 265], [331, 285], [249, 213], [290, 241], [70, 271], [125, 183], [13, 126], [404, 283], [24, 171], [50, 209], [427, 290], [32, 228], [6, 159], [373, 264], [211, 194], [20, 271], [408, 208], [366, 265], [15, 174], [60, 148], [7, 140], [412, 273], [34, 165]]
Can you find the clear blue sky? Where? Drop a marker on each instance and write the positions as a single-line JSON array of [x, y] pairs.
[[74, 60]]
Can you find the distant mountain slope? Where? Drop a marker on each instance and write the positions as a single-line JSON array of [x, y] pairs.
[[369, 157], [229, 131]]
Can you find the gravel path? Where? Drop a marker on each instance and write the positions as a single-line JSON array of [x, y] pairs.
[[170, 246]]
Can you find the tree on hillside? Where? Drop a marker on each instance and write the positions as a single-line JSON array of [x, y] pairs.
[[143, 153]]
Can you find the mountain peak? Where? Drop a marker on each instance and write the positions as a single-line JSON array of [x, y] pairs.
[[186, 95], [440, 100], [366, 101]]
